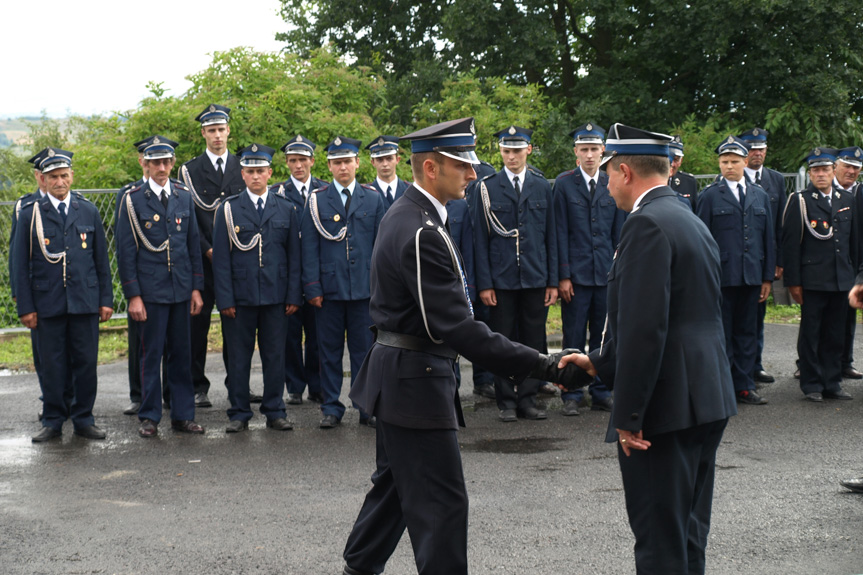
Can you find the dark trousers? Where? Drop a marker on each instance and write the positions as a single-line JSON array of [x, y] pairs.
[[822, 336], [135, 365], [68, 349], [269, 324], [166, 331], [520, 316], [585, 311], [740, 322], [200, 330], [669, 492], [850, 329], [762, 311], [302, 371], [418, 484], [334, 318], [69, 393]]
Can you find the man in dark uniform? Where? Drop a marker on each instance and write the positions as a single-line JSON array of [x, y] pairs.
[[339, 226], [681, 182], [63, 291], [588, 229], [855, 300], [848, 165], [302, 363], [664, 356], [210, 177], [423, 321], [516, 262], [256, 267], [819, 241], [737, 213], [384, 152], [159, 260], [773, 183]]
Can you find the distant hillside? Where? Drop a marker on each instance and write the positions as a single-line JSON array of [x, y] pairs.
[[13, 130]]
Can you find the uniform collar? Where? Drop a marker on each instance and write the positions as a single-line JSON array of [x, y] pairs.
[[254, 198], [587, 178], [213, 157], [299, 185], [638, 200], [439, 207], [56, 203], [521, 175], [351, 187], [392, 185]]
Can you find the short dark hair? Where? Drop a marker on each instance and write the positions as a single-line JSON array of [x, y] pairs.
[[419, 158], [643, 166]]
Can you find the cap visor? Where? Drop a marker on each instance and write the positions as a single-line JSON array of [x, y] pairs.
[[469, 156]]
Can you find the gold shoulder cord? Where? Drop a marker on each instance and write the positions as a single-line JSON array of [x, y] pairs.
[[257, 240], [53, 258]]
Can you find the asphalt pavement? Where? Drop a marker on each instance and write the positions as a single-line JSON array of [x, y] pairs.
[[545, 496]]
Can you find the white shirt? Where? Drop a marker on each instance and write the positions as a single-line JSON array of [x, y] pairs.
[[635, 206], [752, 173], [300, 185], [841, 187], [439, 207], [254, 197], [56, 203], [391, 185], [520, 175], [157, 189], [587, 178], [213, 157], [351, 187], [733, 186]]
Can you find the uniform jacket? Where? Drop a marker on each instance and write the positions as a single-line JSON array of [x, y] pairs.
[[816, 264], [744, 233], [686, 185], [587, 234], [288, 190], [88, 274], [411, 388], [206, 181], [340, 270], [664, 348], [461, 231], [471, 193], [145, 273], [400, 188], [774, 184], [242, 277], [22, 201], [532, 214]]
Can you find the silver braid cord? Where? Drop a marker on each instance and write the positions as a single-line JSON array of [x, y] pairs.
[[805, 215], [316, 218], [257, 240], [50, 257], [139, 233], [184, 171], [493, 223]]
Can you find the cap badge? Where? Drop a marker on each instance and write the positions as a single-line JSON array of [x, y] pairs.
[[337, 141], [589, 127], [380, 142], [472, 128], [676, 181], [299, 139], [511, 131], [254, 147], [50, 153], [755, 132], [817, 151], [156, 140], [212, 108], [857, 152], [730, 139]]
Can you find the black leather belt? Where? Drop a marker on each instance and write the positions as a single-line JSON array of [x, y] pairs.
[[404, 341]]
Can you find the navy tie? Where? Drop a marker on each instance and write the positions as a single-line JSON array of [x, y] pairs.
[[260, 208], [758, 177], [62, 208], [515, 185], [592, 190], [347, 194], [219, 169], [741, 195], [390, 194]]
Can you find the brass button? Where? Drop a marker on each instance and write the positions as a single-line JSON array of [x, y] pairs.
[[428, 370]]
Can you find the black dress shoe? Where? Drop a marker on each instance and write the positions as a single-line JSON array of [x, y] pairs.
[[531, 413], [186, 426], [350, 571], [166, 405], [507, 415], [750, 397], [855, 484], [133, 408], [547, 389], [46, 434], [851, 373], [316, 397], [90, 432], [236, 426], [369, 421], [148, 428], [570, 407], [841, 394], [329, 422], [295, 399], [201, 400], [280, 424], [602, 404], [484, 390], [255, 398], [814, 396], [762, 376], [797, 373]]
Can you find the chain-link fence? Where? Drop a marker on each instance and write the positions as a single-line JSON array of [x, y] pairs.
[[105, 200]]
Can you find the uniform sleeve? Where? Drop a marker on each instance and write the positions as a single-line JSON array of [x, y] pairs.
[[127, 253], [481, 244], [769, 242], [467, 254], [792, 227], [222, 274], [295, 262], [311, 256], [102, 263], [21, 260], [561, 223], [192, 243], [551, 241]]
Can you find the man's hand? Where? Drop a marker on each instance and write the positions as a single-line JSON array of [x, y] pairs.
[[137, 310], [564, 289], [197, 302], [550, 296], [488, 297], [629, 440], [778, 274], [765, 292], [579, 359], [105, 313], [797, 293], [291, 309], [209, 254], [230, 312], [317, 301], [855, 296], [551, 368], [29, 320]]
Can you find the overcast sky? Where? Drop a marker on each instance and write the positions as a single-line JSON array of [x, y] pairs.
[[96, 56]]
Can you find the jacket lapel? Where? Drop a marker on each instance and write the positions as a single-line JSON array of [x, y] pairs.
[[72, 215]]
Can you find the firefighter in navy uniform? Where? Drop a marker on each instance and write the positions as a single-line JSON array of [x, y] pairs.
[[423, 320], [384, 152], [302, 361], [159, 260], [210, 177], [256, 267], [820, 243], [681, 182], [63, 289]]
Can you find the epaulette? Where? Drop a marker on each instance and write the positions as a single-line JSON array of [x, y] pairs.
[[321, 189], [280, 196], [134, 188], [370, 187], [25, 203], [488, 176], [235, 197], [126, 187], [564, 174], [79, 196], [179, 185], [535, 171]]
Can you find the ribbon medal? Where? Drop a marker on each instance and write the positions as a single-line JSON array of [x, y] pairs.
[[336, 217], [813, 223], [178, 220], [155, 217], [83, 241]]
